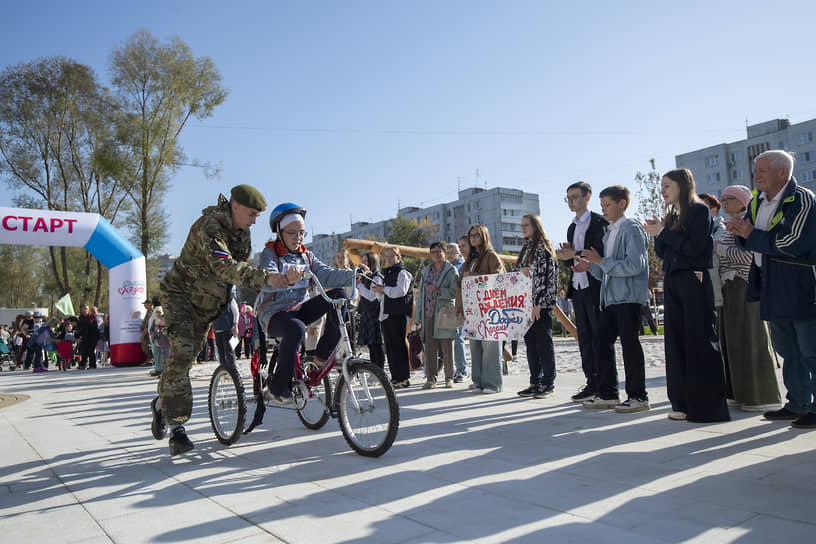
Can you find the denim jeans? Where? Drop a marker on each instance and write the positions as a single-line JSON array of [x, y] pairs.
[[158, 364], [795, 341], [486, 364], [459, 360]]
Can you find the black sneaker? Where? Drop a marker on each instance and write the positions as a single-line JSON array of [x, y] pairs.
[[528, 392], [179, 443], [543, 391], [782, 413], [458, 377], [158, 427], [807, 421], [584, 394]]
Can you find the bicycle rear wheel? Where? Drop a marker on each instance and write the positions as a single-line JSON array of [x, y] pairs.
[[226, 405], [371, 429], [313, 404]]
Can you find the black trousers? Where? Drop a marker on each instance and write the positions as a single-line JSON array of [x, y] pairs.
[[695, 372], [226, 356], [396, 346], [290, 327], [375, 351], [586, 323], [87, 351], [621, 320], [540, 350]]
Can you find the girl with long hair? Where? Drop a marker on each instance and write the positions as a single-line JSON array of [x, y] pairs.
[[537, 259], [695, 372], [485, 355]]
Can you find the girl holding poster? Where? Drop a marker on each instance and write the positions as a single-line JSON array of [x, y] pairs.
[[485, 355], [537, 259]]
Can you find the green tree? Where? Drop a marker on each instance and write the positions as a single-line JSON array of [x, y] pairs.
[[650, 204], [161, 86], [410, 232], [19, 285], [56, 123]]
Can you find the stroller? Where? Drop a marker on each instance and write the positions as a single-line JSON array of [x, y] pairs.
[[5, 357]]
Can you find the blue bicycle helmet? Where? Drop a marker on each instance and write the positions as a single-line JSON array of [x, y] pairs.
[[282, 210]]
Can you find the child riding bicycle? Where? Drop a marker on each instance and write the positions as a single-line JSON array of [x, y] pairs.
[[286, 309]]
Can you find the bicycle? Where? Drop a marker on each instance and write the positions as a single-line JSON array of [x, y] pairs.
[[361, 398]]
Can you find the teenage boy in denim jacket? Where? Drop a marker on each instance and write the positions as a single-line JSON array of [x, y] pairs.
[[624, 273]]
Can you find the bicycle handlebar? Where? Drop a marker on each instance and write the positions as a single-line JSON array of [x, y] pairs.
[[309, 275]]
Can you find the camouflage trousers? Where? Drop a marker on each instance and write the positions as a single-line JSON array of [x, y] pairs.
[[187, 330]]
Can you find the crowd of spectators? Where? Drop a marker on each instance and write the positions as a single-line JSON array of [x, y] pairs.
[[38, 342]]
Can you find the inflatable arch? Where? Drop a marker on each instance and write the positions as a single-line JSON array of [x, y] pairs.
[[125, 263]]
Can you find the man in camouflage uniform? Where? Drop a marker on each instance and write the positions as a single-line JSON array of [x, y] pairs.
[[195, 292]]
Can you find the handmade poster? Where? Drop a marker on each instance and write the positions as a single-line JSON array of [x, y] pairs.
[[497, 306]]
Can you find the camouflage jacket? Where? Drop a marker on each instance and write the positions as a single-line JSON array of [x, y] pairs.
[[213, 258]]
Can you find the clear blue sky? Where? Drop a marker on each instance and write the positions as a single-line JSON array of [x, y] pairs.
[[349, 108]]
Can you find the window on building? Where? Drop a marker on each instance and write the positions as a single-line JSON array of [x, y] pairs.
[[807, 156], [511, 198], [512, 241], [805, 137], [809, 175], [736, 156], [712, 160]]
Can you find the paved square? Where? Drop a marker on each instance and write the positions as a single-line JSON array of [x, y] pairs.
[[79, 465]]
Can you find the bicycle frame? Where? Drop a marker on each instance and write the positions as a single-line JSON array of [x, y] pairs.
[[342, 350]]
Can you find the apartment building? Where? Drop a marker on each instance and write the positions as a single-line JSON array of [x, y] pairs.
[[718, 166]]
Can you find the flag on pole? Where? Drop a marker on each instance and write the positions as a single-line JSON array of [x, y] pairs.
[[64, 305]]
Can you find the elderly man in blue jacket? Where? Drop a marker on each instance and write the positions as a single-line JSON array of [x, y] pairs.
[[780, 228]]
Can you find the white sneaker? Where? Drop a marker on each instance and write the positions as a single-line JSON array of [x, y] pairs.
[[598, 402], [677, 416], [488, 391], [473, 386], [632, 405]]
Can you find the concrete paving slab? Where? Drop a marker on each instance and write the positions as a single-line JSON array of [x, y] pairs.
[[79, 465]]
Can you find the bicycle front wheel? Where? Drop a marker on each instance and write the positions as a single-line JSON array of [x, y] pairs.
[[226, 404], [371, 427]]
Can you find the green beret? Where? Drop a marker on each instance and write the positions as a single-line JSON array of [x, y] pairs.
[[249, 196]]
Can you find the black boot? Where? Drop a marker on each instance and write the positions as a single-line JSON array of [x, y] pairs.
[[158, 427], [179, 443]]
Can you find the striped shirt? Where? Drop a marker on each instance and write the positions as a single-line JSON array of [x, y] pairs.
[[734, 262]]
